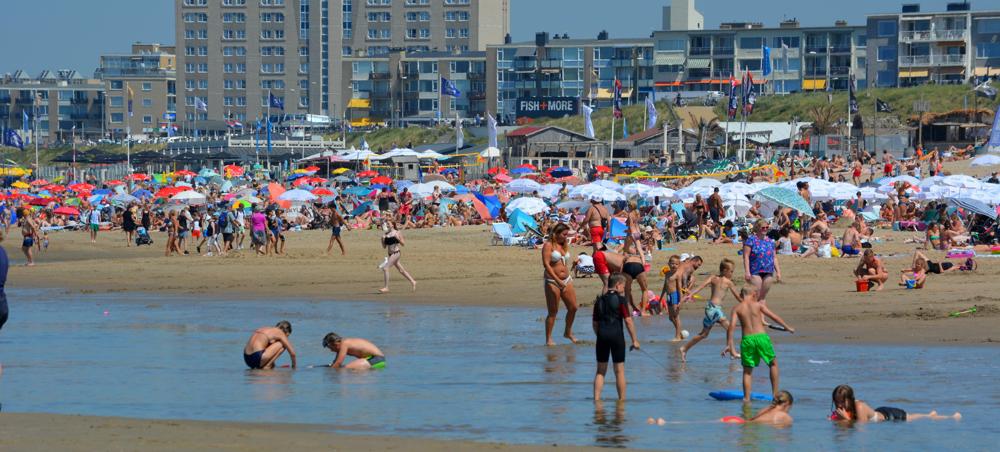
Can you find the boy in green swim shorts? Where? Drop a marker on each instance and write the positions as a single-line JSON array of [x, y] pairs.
[[369, 356], [756, 344]]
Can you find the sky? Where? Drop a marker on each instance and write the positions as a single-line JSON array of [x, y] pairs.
[[72, 34]]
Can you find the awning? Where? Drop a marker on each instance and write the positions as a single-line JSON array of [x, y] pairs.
[[699, 64], [913, 74], [668, 84], [950, 70], [816, 84], [525, 52], [607, 94], [668, 59], [359, 103], [981, 71], [915, 18]]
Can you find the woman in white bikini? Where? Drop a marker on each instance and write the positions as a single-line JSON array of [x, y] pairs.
[[392, 241], [558, 282]]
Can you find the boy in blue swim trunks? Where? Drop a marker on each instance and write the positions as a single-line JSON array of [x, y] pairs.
[[713, 307], [756, 344], [678, 281], [369, 356]]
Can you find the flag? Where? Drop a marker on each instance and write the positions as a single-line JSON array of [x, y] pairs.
[[765, 63], [993, 145], [275, 102], [459, 134], [882, 106], [853, 100], [130, 96], [234, 124], [749, 98], [985, 90], [733, 105], [448, 88], [784, 56], [588, 125], [200, 105], [268, 135], [12, 139], [650, 112], [364, 144], [618, 99], [24, 120], [624, 128], [256, 136], [491, 126]]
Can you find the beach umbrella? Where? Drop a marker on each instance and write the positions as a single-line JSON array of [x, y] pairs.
[[358, 191], [167, 192], [138, 177], [975, 206], [635, 189], [189, 197], [39, 182], [124, 198], [185, 173], [528, 166], [496, 170], [72, 201], [521, 171], [986, 160], [442, 185], [659, 192], [207, 173], [602, 169], [362, 208], [560, 171], [706, 182], [609, 184], [312, 168], [250, 199], [523, 186], [68, 211], [631, 164], [421, 190], [182, 184], [872, 194], [95, 199], [342, 179], [549, 191], [142, 193], [785, 198], [528, 205], [101, 191], [20, 184], [490, 152], [54, 188], [573, 204], [961, 181], [43, 201], [339, 171], [381, 180], [639, 174], [322, 192], [297, 196], [402, 183], [367, 174], [81, 187], [449, 172], [113, 182], [241, 204], [503, 178], [690, 193]]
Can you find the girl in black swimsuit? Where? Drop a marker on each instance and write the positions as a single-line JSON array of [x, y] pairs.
[[634, 268], [393, 242]]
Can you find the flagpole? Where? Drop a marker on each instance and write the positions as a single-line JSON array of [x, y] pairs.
[[847, 123], [268, 129], [34, 103], [128, 130]]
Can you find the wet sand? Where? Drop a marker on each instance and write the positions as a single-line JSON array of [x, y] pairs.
[[30, 432], [459, 267]]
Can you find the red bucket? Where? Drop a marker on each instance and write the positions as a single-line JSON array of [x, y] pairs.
[[862, 285]]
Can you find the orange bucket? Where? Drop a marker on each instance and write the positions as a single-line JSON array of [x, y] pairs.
[[862, 285]]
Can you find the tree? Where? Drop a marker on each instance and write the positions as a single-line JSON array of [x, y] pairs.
[[706, 128], [824, 119]]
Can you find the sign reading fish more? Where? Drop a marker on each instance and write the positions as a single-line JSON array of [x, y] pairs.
[[546, 107]]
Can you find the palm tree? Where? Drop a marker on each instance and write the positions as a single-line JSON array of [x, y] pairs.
[[706, 127], [824, 119]]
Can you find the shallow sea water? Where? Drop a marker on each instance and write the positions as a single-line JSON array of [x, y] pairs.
[[467, 373]]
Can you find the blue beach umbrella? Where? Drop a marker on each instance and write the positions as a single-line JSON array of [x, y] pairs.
[[786, 198], [520, 171], [364, 207], [142, 194]]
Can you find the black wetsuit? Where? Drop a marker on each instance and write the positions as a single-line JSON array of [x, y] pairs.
[[610, 312]]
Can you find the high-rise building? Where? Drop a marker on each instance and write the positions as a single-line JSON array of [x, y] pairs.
[[681, 15], [914, 47], [149, 72], [233, 54], [56, 104]]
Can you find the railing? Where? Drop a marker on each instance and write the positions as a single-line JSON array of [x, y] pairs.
[[948, 59], [701, 50], [840, 48], [915, 60], [723, 50], [951, 35], [378, 76], [815, 48], [936, 35], [476, 76], [551, 64], [840, 70]]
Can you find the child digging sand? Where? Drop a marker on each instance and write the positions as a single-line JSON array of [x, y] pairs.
[[713, 308], [847, 408], [756, 344]]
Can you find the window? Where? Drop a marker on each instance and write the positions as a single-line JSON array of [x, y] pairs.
[[303, 101], [988, 26], [190, 51], [241, 101], [449, 33], [886, 27], [189, 85], [303, 68], [117, 101], [147, 119], [886, 53], [228, 84], [116, 84], [303, 51], [988, 50], [227, 68], [885, 78], [117, 117], [234, 35], [303, 84], [862, 63], [862, 41], [346, 51], [147, 103], [751, 43], [463, 33], [417, 2], [234, 2], [791, 41], [195, 2], [202, 84], [203, 68], [227, 101], [425, 33], [751, 64]]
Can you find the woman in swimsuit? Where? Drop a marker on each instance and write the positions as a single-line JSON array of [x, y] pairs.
[[847, 408], [634, 268], [760, 267], [558, 282], [933, 237], [392, 241]]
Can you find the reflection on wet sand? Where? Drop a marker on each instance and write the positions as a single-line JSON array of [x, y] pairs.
[[609, 431]]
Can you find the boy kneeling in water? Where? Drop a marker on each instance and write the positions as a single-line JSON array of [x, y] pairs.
[[756, 344], [611, 310], [369, 356]]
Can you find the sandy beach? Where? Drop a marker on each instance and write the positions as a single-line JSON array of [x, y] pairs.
[[459, 267], [40, 432]]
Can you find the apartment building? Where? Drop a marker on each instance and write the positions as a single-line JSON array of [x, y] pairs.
[[378, 27], [150, 72], [61, 103], [403, 87], [914, 47], [231, 54], [559, 68], [802, 58]]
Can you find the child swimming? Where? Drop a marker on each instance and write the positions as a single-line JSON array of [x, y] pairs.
[[777, 412], [713, 307], [847, 408]]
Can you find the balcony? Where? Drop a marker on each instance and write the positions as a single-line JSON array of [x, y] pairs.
[[840, 48], [815, 48], [719, 50], [477, 95], [476, 76], [378, 76], [840, 70], [700, 51], [950, 35], [551, 64], [933, 60], [76, 101], [936, 35], [23, 101]]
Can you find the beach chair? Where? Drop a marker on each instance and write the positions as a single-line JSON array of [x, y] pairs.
[[532, 236], [502, 234]]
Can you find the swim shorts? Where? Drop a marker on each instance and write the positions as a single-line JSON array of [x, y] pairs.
[[601, 264], [891, 414], [253, 360], [259, 237], [28, 242], [713, 314], [336, 231], [849, 250], [756, 348], [94, 227], [377, 362], [610, 345], [674, 298], [596, 234]]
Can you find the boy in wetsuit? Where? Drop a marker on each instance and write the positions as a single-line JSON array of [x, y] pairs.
[[267, 344], [369, 356], [756, 345], [610, 312], [674, 285], [713, 308]]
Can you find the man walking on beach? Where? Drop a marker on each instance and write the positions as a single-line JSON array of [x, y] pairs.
[[267, 344], [336, 225], [368, 355], [94, 223], [30, 233]]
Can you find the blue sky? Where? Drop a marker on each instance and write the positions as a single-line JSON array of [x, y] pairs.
[[72, 34]]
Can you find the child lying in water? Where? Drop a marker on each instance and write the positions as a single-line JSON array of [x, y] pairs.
[[847, 408]]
